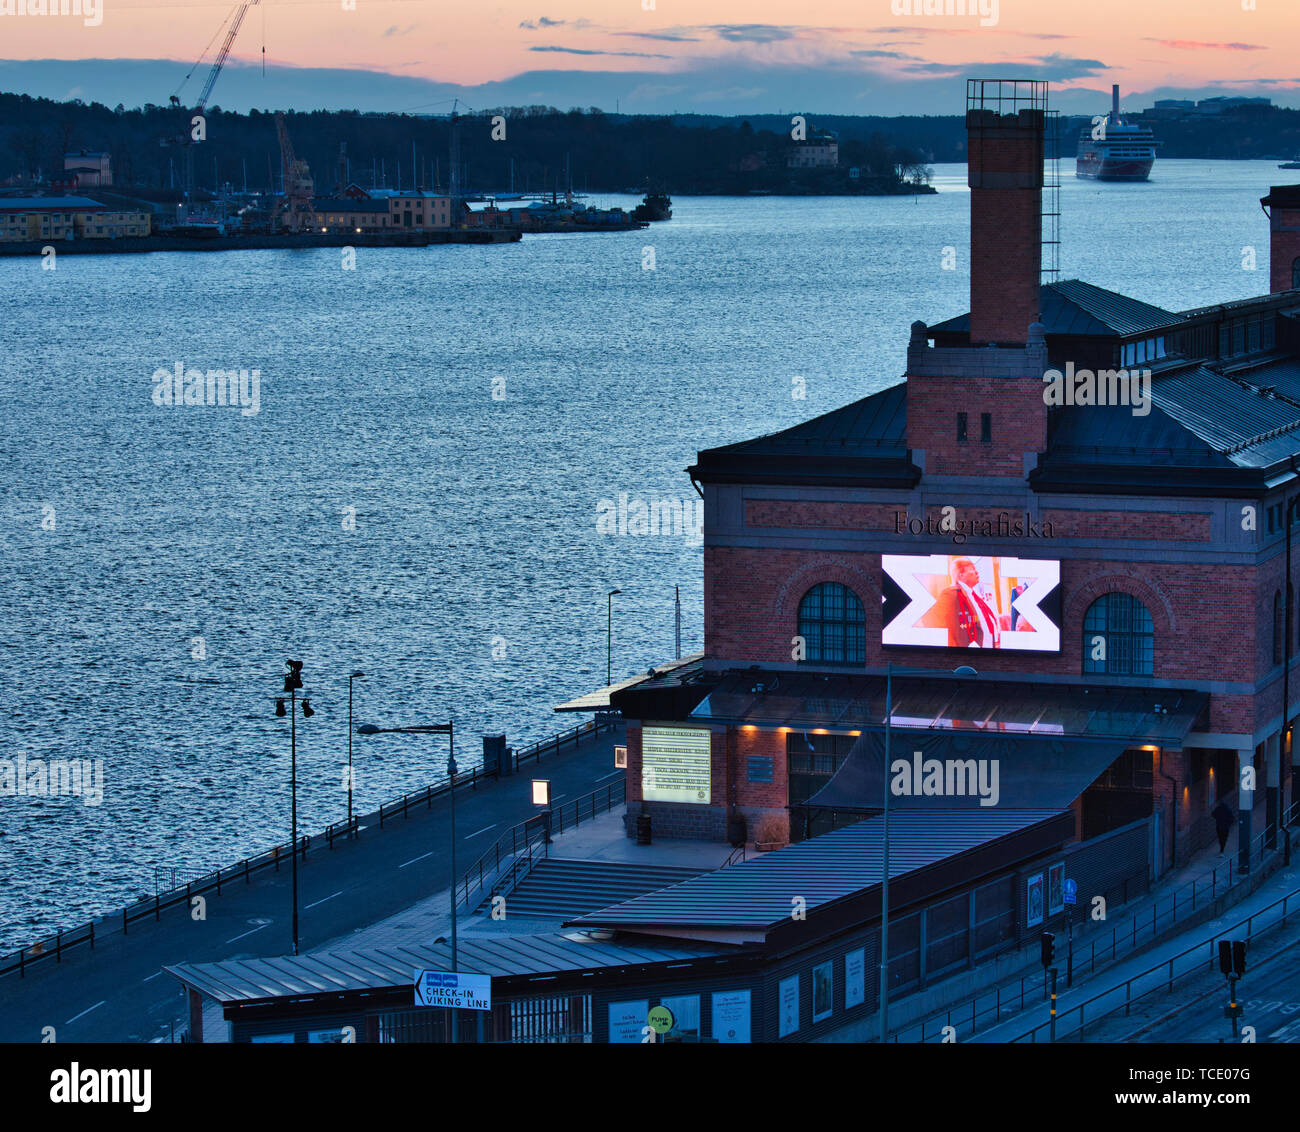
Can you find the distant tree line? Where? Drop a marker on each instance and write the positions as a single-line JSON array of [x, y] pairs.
[[543, 150]]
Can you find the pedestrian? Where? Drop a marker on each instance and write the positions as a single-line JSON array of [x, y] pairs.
[[1223, 820]]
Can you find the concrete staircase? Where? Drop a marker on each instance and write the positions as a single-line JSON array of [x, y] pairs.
[[557, 889]]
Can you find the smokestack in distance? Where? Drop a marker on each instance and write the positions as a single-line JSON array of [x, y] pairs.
[[1114, 102]]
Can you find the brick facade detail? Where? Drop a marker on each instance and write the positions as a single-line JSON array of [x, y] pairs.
[[826, 516], [1019, 420]]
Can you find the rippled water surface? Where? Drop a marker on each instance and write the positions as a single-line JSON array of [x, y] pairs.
[[473, 583]]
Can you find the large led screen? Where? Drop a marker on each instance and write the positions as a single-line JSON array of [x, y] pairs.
[[971, 601]]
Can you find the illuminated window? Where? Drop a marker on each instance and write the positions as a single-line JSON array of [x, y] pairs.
[[833, 625], [1118, 637]]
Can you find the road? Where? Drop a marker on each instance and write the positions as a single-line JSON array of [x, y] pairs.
[[1269, 994], [118, 992]]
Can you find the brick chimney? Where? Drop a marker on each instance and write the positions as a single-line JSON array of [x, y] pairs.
[[1005, 125], [1282, 206]]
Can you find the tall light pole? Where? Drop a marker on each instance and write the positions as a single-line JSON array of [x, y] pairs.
[[351, 677], [964, 670], [292, 683], [449, 730], [609, 639]]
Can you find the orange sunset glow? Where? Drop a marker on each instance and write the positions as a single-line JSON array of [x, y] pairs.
[[711, 52]]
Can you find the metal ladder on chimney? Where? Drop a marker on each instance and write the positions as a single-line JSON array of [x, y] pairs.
[[1051, 208]]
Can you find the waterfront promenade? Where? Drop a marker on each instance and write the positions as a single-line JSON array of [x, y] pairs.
[[118, 992]]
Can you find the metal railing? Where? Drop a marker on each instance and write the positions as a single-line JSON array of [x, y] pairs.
[[1167, 982], [988, 1005], [198, 882], [573, 735], [518, 839]]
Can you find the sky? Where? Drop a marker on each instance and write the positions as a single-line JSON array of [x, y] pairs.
[[654, 56]]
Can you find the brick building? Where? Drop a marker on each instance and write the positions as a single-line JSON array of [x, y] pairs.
[[1123, 481]]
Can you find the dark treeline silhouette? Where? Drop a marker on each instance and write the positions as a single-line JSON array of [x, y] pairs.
[[603, 152]]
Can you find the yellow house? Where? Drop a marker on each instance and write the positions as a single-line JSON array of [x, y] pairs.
[[26, 219]]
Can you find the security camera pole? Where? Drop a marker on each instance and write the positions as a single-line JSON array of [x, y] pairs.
[[292, 682]]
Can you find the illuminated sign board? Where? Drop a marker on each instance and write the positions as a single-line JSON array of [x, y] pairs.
[[971, 601], [675, 764]]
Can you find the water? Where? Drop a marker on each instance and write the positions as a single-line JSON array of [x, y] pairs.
[[474, 583]]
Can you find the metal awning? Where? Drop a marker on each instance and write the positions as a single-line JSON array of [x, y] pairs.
[[599, 699], [929, 853], [851, 703], [329, 974], [966, 771]]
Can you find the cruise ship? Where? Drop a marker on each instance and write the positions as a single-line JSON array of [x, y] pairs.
[[1124, 152]]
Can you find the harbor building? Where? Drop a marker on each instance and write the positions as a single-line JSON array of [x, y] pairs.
[[381, 210], [24, 219], [1089, 584], [1048, 617], [92, 170]]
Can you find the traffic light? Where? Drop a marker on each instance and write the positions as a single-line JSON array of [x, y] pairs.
[[1048, 943], [1232, 957]]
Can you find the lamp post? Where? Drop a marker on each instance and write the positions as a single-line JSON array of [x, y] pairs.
[[292, 683], [449, 730], [609, 638], [964, 670], [351, 677]]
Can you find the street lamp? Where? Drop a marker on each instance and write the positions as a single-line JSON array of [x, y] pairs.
[[609, 638], [964, 671], [351, 677], [449, 730], [292, 683]]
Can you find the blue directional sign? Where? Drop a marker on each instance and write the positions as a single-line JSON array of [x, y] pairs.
[[1071, 889]]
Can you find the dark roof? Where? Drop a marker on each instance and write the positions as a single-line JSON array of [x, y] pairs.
[[1284, 196], [1074, 308], [48, 204], [756, 894], [1199, 419], [669, 675], [257, 980], [866, 439]]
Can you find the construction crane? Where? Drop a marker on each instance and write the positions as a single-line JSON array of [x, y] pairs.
[[295, 207], [232, 23]]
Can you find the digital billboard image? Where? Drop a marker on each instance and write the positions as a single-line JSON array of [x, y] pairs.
[[971, 601]]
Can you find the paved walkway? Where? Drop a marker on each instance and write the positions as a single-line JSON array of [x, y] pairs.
[[601, 839], [118, 991]]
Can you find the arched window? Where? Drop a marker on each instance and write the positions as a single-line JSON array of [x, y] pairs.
[[1118, 637], [1295, 273], [833, 625]]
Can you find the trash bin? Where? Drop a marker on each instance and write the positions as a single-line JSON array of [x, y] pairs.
[[643, 829]]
